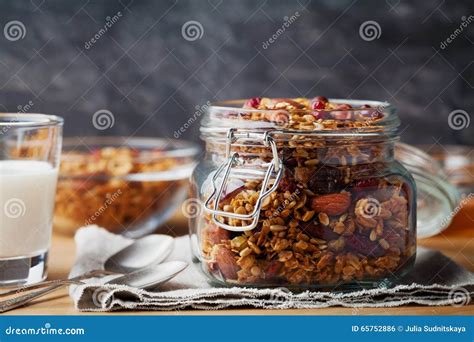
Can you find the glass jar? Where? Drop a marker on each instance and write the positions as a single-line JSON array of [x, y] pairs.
[[301, 197]]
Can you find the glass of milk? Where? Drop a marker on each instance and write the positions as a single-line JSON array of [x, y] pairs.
[[30, 148]]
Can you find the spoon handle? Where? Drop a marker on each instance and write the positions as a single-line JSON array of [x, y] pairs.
[[47, 283], [13, 303]]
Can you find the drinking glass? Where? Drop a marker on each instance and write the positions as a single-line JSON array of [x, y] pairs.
[[30, 148]]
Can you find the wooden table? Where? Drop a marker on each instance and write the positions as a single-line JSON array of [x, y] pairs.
[[457, 242]]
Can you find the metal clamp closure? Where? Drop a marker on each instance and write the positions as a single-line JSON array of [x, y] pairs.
[[211, 205]]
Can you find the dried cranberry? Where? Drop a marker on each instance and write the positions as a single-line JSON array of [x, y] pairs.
[[365, 184], [362, 244], [366, 106], [254, 102], [319, 231], [319, 105], [326, 180], [287, 184], [320, 99]]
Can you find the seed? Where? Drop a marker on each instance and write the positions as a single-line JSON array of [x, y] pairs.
[[277, 228], [241, 211], [255, 270], [266, 202], [307, 216], [317, 241], [339, 228], [238, 242], [348, 270], [254, 248], [323, 218], [373, 235], [285, 256], [249, 207], [301, 245], [384, 244], [246, 251], [311, 162]]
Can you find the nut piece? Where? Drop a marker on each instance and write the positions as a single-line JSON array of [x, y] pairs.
[[332, 204], [226, 263]]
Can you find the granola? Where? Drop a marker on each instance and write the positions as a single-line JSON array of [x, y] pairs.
[[97, 188], [342, 213]]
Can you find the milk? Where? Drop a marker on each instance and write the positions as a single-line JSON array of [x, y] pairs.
[[27, 191]]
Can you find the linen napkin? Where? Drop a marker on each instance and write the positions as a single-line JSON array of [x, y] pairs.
[[435, 280]]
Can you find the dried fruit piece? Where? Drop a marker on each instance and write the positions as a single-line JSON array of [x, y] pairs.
[[362, 244], [326, 180], [365, 184], [287, 185], [319, 231], [320, 99], [273, 269], [253, 102], [332, 204], [226, 263], [318, 105]]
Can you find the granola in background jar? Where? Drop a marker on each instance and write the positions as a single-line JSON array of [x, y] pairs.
[[303, 193]]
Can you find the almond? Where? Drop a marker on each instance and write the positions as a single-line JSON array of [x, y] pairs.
[[216, 235], [332, 204], [226, 263]]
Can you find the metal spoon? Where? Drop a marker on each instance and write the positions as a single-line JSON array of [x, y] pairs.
[[151, 276], [143, 252]]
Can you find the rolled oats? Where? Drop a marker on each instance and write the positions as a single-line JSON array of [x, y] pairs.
[[334, 218]]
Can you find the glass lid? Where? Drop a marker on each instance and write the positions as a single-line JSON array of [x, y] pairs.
[[321, 115]]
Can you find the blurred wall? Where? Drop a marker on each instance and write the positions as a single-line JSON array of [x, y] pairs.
[[150, 63]]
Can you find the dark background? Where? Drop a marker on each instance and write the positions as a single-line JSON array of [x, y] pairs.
[[151, 78]]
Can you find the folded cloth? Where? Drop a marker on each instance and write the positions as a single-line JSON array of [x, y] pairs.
[[435, 280]]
